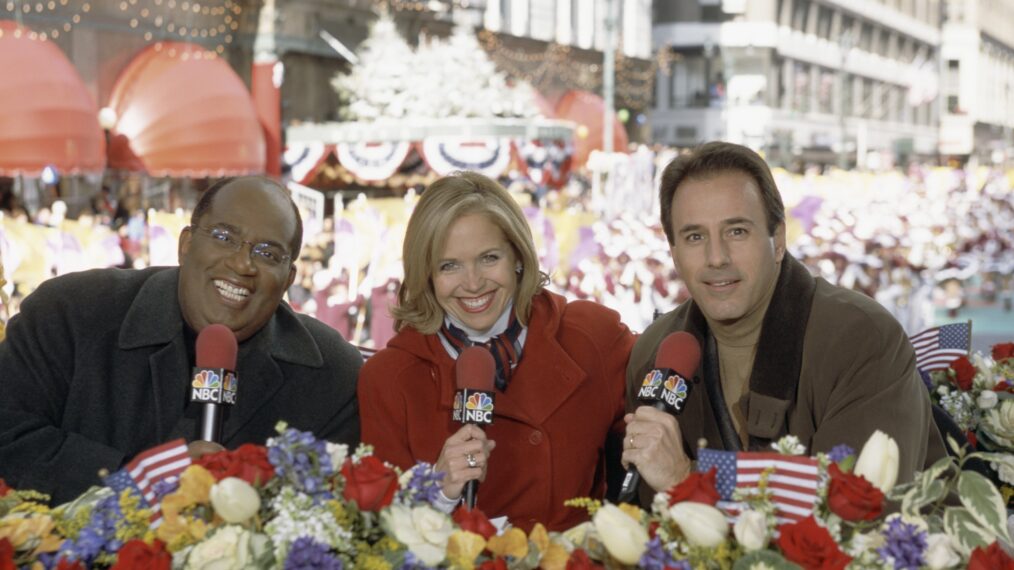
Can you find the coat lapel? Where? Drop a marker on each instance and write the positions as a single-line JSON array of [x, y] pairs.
[[779, 357]]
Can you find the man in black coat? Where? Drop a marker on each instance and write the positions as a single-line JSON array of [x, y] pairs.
[[95, 368]]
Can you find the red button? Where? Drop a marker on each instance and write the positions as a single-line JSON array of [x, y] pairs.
[[535, 438]]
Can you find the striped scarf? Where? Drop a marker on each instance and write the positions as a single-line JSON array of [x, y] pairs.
[[505, 347]]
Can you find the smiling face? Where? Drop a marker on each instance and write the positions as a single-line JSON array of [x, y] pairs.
[[722, 247], [220, 285], [474, 278]]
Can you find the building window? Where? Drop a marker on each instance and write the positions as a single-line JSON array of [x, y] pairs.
[[953, 105]]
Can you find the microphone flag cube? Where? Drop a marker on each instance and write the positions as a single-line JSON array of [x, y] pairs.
[[666, 386], [213, 386], [473, 406]]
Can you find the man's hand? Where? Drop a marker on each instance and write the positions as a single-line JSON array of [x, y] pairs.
[[201, 447], [654, 444]]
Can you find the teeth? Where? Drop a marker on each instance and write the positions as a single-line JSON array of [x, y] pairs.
[[230, 291], [476, 303]]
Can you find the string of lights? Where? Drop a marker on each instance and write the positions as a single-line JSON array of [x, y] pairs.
[[51, 10]]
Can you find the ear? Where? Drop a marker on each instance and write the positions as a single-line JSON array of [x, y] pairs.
[[292, 276], [184, 244], [779, 241]]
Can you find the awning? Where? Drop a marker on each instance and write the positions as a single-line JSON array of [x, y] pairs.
[[184, 112], [47, 116], [587, 110]]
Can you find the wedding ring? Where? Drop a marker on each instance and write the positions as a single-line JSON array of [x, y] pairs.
[[631, 441], [471, 461]]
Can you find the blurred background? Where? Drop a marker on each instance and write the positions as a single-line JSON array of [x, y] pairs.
[[888, 124]]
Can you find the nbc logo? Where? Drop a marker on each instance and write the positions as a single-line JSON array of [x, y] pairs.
[[457, 401], [677, 385], [480, 401], [206, 379], [652, 379], [229, 385]]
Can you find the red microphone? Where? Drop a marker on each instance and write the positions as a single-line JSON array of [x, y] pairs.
[[474, 373], [666, 388], [214, 381]]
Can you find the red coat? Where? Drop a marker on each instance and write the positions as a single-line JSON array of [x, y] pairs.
[[550, 425]]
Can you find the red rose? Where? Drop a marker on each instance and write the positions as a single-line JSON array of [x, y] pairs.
[[248, 462], [6, 555], [4, 488], [498, 564], [65, 564], [139, 554], [474, 520], [973, 440], [1003, 351], [810, 545], [697, 487], [964, 371], [579, 561], [369, 483], [852, 497], [992, 558]]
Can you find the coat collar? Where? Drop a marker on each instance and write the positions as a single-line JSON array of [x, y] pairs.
[[779, 359], [545, 377]]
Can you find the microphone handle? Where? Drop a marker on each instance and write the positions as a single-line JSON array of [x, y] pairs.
[[211, 423], [470, 488]]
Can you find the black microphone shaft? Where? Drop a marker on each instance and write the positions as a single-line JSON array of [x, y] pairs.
[[470, 489]]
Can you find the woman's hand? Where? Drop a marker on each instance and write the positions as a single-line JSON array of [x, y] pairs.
[[467, 446]]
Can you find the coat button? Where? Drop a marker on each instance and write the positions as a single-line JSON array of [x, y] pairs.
[[535, 438]]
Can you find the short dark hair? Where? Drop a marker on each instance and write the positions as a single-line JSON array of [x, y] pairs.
[[711, 159], [208, 198]]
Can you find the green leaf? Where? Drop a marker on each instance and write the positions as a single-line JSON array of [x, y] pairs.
[[764, 559], [984, 503], [936, 470], [921, 496], [963, 528], [952, 444]]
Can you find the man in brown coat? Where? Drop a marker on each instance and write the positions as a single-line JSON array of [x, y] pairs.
[[782, 352]]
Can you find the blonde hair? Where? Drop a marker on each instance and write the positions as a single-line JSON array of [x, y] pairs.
[[442, 203]]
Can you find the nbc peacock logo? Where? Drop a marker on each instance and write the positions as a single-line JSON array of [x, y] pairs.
[[480, 401], [207, 379], [457, 401], [676, 385], [230, 383], [652, 379]]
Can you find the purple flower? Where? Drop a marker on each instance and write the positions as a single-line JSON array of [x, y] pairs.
[[658, 558], [302, 460], [98, 536], [840, 452], [163, 487], [423, 485], [308, 554], [412, 563], [905, 545]]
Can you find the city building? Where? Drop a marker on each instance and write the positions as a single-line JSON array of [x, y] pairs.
[[977, 54], [846, 81]]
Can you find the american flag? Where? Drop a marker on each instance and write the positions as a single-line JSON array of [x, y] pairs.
[[792, 481], [937, 347], [157, 464]]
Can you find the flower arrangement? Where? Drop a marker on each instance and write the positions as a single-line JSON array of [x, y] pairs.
[[978, 393], [300, 503]]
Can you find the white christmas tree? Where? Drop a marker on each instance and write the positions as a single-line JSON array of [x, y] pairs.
[[443, 78]]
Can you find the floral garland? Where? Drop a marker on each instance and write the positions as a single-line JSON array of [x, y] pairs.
[[978, 393], [300, 503]]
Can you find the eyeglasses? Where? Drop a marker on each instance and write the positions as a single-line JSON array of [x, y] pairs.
[[266, 254]]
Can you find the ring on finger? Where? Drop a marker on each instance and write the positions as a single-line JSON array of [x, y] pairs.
[[470, 459], [631, 439]]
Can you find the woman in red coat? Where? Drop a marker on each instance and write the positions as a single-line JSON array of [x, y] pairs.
[[472, 278]]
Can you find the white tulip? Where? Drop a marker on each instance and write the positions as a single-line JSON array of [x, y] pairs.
[[422, 529], [624, 537], [703, 525], [940, 552], [878, 461], [235, 500], [987, 399], [751, 530]]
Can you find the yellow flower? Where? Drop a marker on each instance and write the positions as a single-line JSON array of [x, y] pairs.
[[33, 532], [633, 511], [539, 537], [511, 543], [178, 530], [195, 485], [592, 505], [372, 562], [554, 557], [463, 547]]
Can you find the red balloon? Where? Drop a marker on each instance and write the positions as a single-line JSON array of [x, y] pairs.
[[587, 110]]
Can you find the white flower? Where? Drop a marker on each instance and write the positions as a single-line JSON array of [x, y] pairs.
[[878, 461], [940, 552], [338, 452], [231, 548], [789, 445], [624, 537], [751, 530], [235, 500], [1004, 467], [999, 423], [987, 399], [703, 525], [422, 529], [295, 516]]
